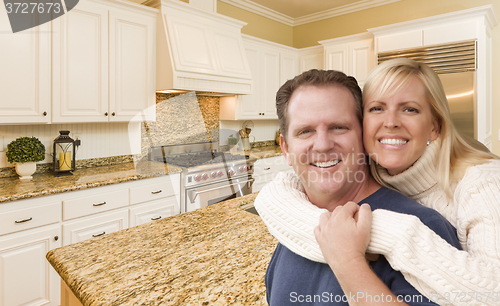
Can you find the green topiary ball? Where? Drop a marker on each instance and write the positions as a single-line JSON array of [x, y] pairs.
[[25, 149]]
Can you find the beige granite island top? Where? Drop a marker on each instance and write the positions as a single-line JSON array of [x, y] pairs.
[[264, 152], [12, 189], [216, 255]]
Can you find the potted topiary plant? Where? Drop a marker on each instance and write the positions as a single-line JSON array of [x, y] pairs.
[[24, 152]]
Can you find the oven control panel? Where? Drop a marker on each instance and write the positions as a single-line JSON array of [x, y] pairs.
[[217, 175]]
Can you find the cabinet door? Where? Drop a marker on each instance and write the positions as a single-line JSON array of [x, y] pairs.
[[361, 60], [132, 61], [336, 58], [249, 105], [26, 277], [80, 67], [24, 73], [270, 83], [289, 67], [153, 211], [91, 227]]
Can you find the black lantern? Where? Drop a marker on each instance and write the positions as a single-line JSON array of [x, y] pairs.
[[64, 154]]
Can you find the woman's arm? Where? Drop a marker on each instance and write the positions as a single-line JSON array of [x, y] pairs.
[[469, 277], [430, 264]]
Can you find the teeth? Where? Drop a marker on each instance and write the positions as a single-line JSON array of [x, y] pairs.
[[398, 142], [326, 164]]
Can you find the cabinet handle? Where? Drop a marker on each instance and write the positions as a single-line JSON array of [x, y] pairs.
[[99, 234], [99, 204], [44, 114], [267, 168], [263, 114], [113, 113], [56, 238], [156, 192], [156, 218], [25, 220], [106, 114]]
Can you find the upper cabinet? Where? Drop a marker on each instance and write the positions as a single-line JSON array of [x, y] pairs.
[[271, 65], [95, 63], [104, 63], [25, 73], [352, 55], [311, 58]]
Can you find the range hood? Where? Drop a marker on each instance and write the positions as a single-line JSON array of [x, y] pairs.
[[198, 50]]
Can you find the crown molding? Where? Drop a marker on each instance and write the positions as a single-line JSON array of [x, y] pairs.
[[261, 10], [258, 9]]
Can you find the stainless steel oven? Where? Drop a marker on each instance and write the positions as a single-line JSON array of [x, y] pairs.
[[208, 176], [199, 196]]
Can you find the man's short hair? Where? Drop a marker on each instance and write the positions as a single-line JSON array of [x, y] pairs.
[[315, 77]]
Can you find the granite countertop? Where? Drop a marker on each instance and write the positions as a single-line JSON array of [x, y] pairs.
[[12, 189], [216, 255]]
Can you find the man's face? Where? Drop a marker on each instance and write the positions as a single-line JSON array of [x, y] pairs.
[[324, 142]]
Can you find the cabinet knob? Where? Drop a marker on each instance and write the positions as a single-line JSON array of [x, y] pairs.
[[106, 114], [44, 114], [113, 113], [56, 238]]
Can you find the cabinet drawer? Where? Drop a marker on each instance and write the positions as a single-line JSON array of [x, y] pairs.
[[85, 206], [91, 227], [272, 164], [22, 219], [152, 192], [154, 211]]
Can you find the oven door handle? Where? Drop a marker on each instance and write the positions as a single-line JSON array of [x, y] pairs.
[[192, 197]]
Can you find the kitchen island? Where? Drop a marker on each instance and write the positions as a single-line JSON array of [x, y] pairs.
[[216, 255]]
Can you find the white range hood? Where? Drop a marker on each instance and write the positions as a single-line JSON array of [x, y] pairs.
[[198, 50]]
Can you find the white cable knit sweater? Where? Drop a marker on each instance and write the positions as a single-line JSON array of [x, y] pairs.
[[438, 270]]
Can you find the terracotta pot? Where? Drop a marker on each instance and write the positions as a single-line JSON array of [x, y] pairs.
[[25, 170]]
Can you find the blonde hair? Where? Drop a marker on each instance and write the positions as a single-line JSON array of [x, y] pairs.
[[457, 152]]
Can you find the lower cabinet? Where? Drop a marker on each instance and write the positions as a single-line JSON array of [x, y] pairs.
[[153, 211], [90, 227], [266, 169], [26, 277], [30, 228]]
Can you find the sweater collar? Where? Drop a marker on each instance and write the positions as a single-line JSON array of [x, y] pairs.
[[420, 177]]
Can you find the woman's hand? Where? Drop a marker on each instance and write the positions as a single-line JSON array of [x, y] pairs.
[[344, 234]]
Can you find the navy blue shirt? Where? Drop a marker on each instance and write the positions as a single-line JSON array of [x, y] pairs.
[[294, 280]]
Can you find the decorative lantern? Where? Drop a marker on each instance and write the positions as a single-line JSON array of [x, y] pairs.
[[64, 154]]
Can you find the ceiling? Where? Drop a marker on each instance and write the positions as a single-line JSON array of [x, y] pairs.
[[301, 8], [296, 12]]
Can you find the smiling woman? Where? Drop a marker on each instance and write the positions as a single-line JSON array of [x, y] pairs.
[[398, 127]]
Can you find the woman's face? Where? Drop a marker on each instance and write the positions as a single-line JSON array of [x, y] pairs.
[[396, 129]]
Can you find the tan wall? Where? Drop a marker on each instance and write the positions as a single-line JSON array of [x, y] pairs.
[[259, 26]]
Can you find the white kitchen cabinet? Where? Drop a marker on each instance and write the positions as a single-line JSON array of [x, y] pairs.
[[25, 62], [153, 210], [266, 169], [48, 222], [352, 55], [104, 62], [271, 65], [289, 66], [311, 58], [94, 226], [26, 277]]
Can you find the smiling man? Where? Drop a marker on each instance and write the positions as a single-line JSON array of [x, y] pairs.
[[320, 119]]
